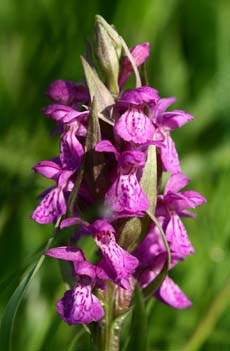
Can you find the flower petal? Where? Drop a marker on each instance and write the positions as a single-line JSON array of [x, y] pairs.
[[117, 263], [107, 146], [171, 294], [139, 53], [126, 197], [138, 97], [51, 208], [169, 156], [49, 169], [66, 92], [80, 306], [135, 126], [67, 253], [177, 236], [71, 152], [173, 120], [176, 182]]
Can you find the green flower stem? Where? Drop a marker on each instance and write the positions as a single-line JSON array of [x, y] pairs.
[[109, 339]]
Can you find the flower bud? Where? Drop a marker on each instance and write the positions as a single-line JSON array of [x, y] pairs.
[[108, 51]]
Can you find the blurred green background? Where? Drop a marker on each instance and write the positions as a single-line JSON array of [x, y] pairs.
[[40, 41]]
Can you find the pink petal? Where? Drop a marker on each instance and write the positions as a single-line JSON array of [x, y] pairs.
[[176, 182], [67, 253], [177, 236], [118, 263], [173, 120], [126, 196], [169, 156], [80, 306], [51, 208], [71, 152], [139, 53], [107, 146], [171, 294], [141, 96], [48, 169], [134, 126]]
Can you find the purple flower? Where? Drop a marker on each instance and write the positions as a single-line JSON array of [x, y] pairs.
[[117, 263], [133, 124], [173, 204], [152, 255], [164, 122], [53, 204], [51, 207], [71, 152], [67, 93], [78, 305], [125, 197], [139, 53]]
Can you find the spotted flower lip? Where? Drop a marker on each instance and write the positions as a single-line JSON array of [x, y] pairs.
[[67, 92], [134, 126], [125, 197], [80, 306], [140, 53], [117, 263], [51, 207]]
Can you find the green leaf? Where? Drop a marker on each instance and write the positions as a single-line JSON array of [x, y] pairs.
[[103, 100], [138, 332], [7, 322]]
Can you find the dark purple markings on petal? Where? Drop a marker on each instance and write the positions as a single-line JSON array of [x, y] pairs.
[[171, 294], [177, 236], [134, 126], [71, 152], [176, 182], [67, 253], [126, 196], [79, 306], [48, 169], [118, 263], [174, 119], [169, 156], [51, 207]]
